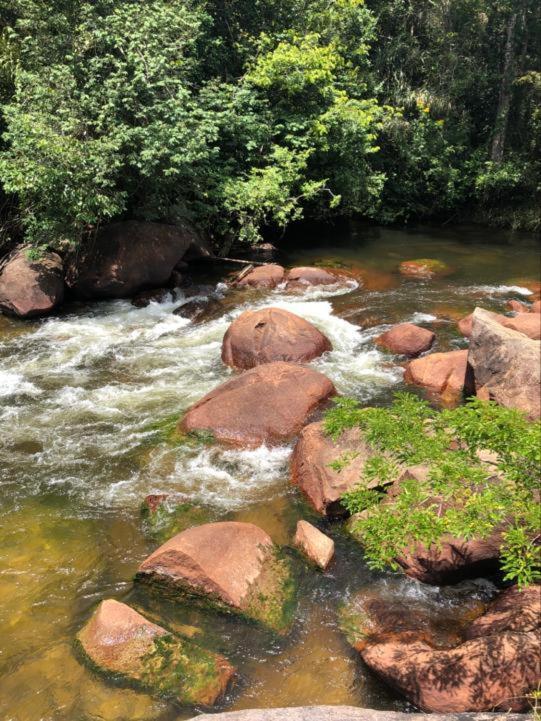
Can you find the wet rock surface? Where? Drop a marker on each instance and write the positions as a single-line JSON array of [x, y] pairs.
[[267, 404], [302, 277], [424, 268], [31, 288], [271, 334], [444, 374], [407, 339], [234, 566], [121, 643], [264, 276], [506, 364], [529, 324], [316, 546]]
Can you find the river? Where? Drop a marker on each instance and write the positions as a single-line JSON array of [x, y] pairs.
[[81, 394]]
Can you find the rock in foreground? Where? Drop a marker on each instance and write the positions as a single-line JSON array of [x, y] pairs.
[[267, 404], [271, 334], [496, 668], [445, 374], [128, 257], [506, 364], [121, 643], [233, 566], [31, 288], [311, 468], [318, 547], [407, 339]]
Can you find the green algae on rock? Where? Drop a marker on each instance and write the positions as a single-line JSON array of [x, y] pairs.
[[164, 516], [120, 643], [231, 566], [424, 268]]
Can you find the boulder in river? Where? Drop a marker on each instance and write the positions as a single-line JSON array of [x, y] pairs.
[[506, 364], [31, 288], [271, 334], [264, 276], [445, 374], [128, 257], [324, 468], [232, 566], [407, 339], [424, 268], [266, 404], [495, 667], [304, 276], [318, 547], [124, 645], [529, 324]]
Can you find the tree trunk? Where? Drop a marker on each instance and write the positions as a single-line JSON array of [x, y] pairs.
[[506, 91]]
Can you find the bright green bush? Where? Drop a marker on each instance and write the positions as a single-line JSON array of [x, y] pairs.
[[464, 495]]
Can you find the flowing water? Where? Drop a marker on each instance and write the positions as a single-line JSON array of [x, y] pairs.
[[82, 395]]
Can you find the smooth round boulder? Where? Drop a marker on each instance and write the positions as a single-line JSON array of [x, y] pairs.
[[31, 288], [230, 565], [120, 643], [424, 268], [445, 374], [264, 276], [304, 276], [266, 404], [315, 545], [271, 334], [129, 257], [407, 339]]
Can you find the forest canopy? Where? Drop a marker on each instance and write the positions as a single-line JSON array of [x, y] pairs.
[[243, 116]]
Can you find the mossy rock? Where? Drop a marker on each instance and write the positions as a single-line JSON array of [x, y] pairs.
[[122, 645], [425, 268], [164, 516]]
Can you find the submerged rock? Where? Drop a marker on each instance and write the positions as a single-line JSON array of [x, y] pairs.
[[506, 364], [128, 257], [322, 483], [424, 268], [200, 309], [478, 667], [318, 547], [264, 276], [407, 339], [124, 645], [31, 288], [445, 374], [267, 404], [233, 566], [158, 295], [271, 334]]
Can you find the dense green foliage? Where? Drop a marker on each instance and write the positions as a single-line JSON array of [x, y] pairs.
[[467, 494], [244, 116]]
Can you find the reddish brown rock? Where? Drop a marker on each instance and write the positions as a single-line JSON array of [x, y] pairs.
[[424, 268], [517, 306], [271, 334], [514, 609], [267, 404], [407, 339], [128, 257], [529, 324], [302, 277], [536, 307], [31, 288], [312, 471], [234, 566], [445, 374], [318, 547], [121, 643], [506, 364], [264, 276]]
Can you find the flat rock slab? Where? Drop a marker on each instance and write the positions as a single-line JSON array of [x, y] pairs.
[[312, 472], [31, 288], [234, 566], [120, 643], [506, 364], [318, 547], [407, 339], [267, 404], [349, 713], [271, 334]]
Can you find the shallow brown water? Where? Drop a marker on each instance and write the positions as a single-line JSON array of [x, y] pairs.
[[79, 394]]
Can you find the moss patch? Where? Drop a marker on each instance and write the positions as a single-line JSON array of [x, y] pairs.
[[170, 518], [274, 600]]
